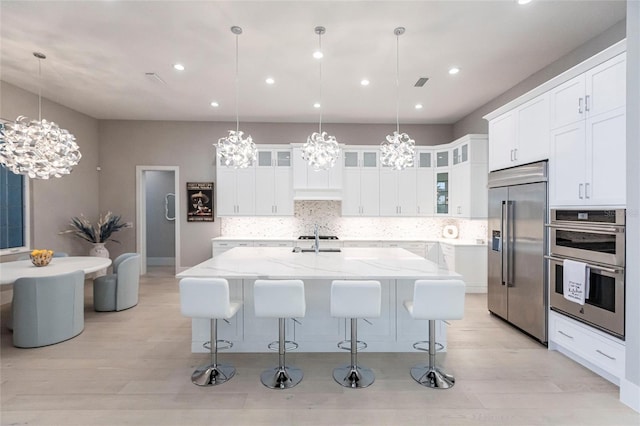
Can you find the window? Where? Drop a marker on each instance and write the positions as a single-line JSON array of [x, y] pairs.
[[14, 212]]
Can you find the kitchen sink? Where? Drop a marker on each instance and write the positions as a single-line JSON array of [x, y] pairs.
[[311, 250]]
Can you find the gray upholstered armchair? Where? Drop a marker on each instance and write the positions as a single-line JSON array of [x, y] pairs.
[[118, 291], [47, 310]]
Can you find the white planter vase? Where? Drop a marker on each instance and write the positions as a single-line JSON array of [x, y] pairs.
[[99, 250]]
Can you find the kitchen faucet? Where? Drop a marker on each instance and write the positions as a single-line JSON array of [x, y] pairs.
[[315, 235]]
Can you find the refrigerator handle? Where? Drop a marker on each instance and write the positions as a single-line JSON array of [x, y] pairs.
[[505, 242], [510, 248]]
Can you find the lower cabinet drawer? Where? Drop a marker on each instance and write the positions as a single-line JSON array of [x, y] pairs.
[[588, 344]]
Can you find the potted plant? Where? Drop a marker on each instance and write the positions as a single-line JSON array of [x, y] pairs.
[[98, 234]]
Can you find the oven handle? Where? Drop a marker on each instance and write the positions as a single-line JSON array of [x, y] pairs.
[[590, 265], [594, 229]]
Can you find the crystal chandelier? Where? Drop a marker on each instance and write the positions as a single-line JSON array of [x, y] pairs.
[[234, 150], [398, 150], [39, 148], [321, 150]]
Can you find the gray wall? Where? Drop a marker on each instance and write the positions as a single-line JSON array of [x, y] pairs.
[[55, 201], [160, 231], [474, 123], [188, 145]]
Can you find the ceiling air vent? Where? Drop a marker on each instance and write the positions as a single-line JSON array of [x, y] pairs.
[[421, 81], [152, 76]]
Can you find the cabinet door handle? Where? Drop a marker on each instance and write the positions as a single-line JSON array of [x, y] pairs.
[[400, 209], [586, 102], [605, 355], [580, 106], [459, 210], [511, 155], [418, 208], [580, 191], [586, 190], [565, 334], [515, 154]]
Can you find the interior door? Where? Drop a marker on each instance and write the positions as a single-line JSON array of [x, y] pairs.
[[497, 288], [527, 278]]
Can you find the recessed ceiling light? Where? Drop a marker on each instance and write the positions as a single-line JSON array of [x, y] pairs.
[[364, 82], [454, 70], [524, 1], [270, 80], [215, 104], [316, 105], [318, 54], [418, 106], [178, 67]]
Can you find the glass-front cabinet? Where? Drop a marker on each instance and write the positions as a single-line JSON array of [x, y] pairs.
[[424, 182], [273, 193], [460, 154], [361, 182], [442, 192]]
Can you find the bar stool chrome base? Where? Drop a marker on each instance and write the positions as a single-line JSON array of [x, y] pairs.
[[212, 375], [357, 377], [281, 377], [432, 377]]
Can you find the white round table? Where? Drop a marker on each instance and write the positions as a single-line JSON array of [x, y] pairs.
[[11, 271]]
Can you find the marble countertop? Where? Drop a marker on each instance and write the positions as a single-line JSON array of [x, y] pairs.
[[452, 241], [350, 263]]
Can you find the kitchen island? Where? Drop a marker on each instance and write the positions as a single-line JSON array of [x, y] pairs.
[[395, 268]]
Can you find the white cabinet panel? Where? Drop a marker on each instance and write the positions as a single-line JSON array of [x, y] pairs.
[[236, 191], [502, 135], [425, 194], [315, 184], [274, 186], [361, 184]]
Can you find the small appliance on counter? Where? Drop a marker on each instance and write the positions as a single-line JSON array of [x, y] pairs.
[[450, 231]]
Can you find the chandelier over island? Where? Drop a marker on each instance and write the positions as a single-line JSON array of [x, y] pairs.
[[234, 150], [398, 151], [321, 150], [39, 148]]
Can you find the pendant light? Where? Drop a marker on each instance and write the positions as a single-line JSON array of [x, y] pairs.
[[39, 148], [398, 151], [234, 150], [321, 150]]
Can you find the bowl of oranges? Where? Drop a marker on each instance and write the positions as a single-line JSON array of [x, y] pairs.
[[41, 257]]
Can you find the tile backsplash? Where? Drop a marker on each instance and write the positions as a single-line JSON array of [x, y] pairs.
[[327, 214]]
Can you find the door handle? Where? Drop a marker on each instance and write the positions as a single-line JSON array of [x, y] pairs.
[[515, 154], [586, 190], [580, 191], [510, 251], [605, 355], [505, 241], [580, 106], [586, 102]]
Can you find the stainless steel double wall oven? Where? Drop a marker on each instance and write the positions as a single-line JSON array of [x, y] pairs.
[[597, 238]]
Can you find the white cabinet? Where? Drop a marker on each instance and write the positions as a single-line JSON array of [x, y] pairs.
[[425, 194], [520, 136], [315, 184], [235, 191], [468, 178], [220, 246], [361, 182], [591, 348], [470, 261], [274, 192], [415, 247], [587, 164], [398, 194], [594, 92]]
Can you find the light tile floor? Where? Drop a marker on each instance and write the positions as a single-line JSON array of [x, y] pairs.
[[134, 367]]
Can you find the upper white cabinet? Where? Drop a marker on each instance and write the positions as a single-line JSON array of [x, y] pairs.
[[361, 182], [468, 177], [398, 191], [587, 164], [236, 191], [520, 136], [596, 91], [274, 195], [424, 182], [310, 184]]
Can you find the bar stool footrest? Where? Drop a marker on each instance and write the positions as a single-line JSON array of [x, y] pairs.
[[223, 345], [288, 345], [346, 345], [423, 345]]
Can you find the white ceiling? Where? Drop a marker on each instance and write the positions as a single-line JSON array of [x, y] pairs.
[[99, 51]]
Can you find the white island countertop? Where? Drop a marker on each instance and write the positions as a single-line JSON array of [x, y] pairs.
[[350, 263]]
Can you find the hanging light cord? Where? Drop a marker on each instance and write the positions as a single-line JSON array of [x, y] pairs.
[[237, 88], [39, 89], [320, 48], [398, 83]]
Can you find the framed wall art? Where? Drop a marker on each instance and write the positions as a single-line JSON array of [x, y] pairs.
[[200, 202]]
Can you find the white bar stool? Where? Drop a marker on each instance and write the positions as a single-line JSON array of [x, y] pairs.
[[354, 299], [435, 300], [209, 298], [280, 299]]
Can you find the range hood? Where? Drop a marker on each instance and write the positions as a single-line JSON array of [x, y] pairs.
[[319, 194]]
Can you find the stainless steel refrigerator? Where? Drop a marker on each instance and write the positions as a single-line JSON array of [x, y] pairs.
[[517, 282]]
